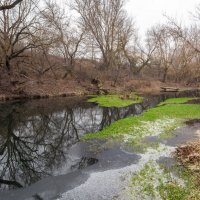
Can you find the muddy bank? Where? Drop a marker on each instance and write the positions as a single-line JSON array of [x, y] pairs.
[[10, 97], [65, 88]]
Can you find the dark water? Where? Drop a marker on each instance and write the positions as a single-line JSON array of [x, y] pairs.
[[40, 142]]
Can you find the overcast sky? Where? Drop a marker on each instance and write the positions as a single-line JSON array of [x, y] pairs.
[[149, 12]]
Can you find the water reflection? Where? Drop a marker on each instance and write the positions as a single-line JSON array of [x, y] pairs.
[[35, 137]]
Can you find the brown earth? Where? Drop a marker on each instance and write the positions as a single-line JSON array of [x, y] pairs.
[[17, 88]]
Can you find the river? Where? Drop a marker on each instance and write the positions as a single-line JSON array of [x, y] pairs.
[[42, 156]]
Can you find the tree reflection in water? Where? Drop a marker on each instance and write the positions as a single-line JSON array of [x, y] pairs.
[[35, 137]]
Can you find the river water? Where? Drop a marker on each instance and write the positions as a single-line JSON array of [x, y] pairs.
[[42, 157]]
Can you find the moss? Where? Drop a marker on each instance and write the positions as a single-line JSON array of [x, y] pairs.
[[156, 182], [172, 191], [189, 189], [115, 100], [168, 133], [146, 135], [142, 184], [135, 125], [176, 100]]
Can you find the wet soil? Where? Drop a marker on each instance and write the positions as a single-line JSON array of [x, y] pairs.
[[192, 122], [194, 101]]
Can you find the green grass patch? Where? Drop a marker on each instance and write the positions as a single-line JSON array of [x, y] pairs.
[[176, 100], [135, 125], [138, 140], [115, 100], [156, 182]]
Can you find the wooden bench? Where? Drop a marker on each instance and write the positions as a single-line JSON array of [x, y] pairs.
[[169, 89]]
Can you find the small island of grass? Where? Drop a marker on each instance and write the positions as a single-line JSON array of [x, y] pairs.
[[116, 100]]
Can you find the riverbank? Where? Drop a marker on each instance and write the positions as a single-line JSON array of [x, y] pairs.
[[154, 136], [47, 88], [165, 124]]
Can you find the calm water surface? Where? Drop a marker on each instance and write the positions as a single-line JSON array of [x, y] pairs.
[[40, 146]]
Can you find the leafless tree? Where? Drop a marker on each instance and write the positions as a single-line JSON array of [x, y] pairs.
[[67, 35], [165, 50], [139, 55], [17, 33], [190, 44], [106, 25]]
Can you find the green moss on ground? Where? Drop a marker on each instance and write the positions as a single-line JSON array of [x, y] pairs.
[[133, 126], [176, 100], [156, 182], [115, 100]]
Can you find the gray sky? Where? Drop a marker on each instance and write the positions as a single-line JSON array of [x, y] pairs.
[[147, 13]]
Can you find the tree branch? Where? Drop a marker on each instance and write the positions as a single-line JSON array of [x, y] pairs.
[[6, 7]]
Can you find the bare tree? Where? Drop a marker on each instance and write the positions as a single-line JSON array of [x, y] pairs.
[[139, 55], [190, 45], [67, 35], [188, 35], [165, 50], [17, 32], [105, 22]]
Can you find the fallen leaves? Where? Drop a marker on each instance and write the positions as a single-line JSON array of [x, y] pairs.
[[189, 155]]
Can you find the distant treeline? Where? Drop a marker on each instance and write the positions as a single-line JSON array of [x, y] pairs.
[[91, 37]]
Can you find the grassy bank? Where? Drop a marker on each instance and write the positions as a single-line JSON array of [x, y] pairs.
[[176, 110], [155, 180]]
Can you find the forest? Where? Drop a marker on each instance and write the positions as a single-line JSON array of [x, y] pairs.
[[87, 47]]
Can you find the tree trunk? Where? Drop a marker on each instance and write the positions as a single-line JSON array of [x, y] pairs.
[[7, 65], [164, 75]]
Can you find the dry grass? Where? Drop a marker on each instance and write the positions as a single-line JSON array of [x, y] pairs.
[[32, 84], [189, 155]]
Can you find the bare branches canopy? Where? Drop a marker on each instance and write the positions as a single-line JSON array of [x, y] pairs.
[[108, 26], [49, 37]]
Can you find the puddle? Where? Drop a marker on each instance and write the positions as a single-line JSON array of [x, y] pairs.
[[111, 183], [183, 135]]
